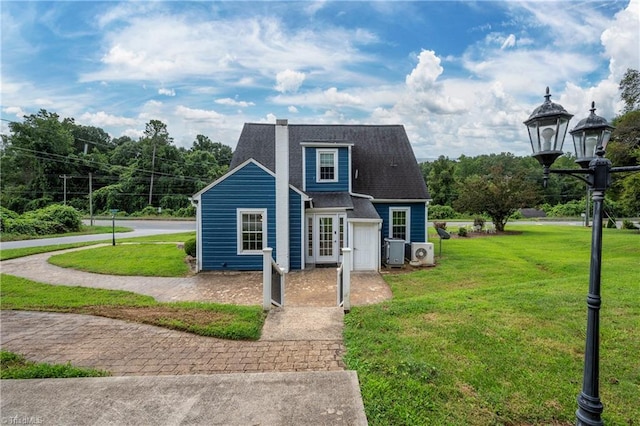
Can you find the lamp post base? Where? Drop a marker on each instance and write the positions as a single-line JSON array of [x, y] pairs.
[[589, 411]]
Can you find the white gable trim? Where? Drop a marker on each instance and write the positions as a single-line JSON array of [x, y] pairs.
[[198, 194]]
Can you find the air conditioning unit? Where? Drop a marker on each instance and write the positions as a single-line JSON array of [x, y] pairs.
[[422, 254]]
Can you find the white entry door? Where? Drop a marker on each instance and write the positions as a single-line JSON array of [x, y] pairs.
[[366, 246], [326, 239]]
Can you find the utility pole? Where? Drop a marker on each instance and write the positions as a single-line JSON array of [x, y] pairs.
[[91, 198], [153, 163], [64, 186]]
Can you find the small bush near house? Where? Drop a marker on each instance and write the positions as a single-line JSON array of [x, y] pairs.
[[462, 231], [627, 224], [190, 247]]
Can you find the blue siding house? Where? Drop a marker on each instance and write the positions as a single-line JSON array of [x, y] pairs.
[[309, 190]]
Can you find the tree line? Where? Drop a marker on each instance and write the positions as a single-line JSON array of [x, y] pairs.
[[497, 185], [47, 159]]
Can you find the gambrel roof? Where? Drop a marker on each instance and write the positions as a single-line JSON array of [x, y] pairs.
[[383, 163]]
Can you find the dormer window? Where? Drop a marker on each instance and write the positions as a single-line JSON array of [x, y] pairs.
[[327, 165]]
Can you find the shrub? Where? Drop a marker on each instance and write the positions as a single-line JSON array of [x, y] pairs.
[[570, 209], [31, 226], [462, 231], [38, 203], [441, 225], [4, 215], [69, 218], [190, 247], [517, 215], [479, 221], [627, 224], [149, 211], [185, 212], [442, 212]]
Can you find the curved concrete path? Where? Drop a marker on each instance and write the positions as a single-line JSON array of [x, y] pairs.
[[171, 375]]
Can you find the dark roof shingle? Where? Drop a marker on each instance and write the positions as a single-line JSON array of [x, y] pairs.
[[383, 163]]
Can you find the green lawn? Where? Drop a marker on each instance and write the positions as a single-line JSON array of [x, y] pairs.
[[14, 366], [495, 333], [207, 319], [152, 260]]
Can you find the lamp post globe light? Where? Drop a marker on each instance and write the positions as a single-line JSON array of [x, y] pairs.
[[547, 127]]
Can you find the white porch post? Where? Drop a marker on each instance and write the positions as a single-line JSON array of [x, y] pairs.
[[266, 278], [346, 279]]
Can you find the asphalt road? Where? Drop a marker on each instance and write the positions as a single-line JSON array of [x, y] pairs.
[[141, 228]]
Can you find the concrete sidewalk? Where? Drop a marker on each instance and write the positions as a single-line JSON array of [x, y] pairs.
[[294, 375], [314, 398]]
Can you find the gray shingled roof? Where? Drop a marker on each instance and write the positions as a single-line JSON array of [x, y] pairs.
[[383, 159]]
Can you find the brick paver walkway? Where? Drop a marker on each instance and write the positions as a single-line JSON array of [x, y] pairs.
[[125, 348]]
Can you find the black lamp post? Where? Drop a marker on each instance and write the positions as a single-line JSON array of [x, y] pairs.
[[113, 226], [547, 128]]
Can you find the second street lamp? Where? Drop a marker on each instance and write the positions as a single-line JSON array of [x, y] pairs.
[[547, 128]]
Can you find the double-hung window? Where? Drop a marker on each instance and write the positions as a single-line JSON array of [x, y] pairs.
[[327, 165], [252, 230], [399, 221]]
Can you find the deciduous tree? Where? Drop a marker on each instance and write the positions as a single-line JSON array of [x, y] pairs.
[[496, 194]]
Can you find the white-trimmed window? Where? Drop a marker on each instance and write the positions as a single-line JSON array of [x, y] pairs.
[[327, 165], [252, 230], [399, 223]]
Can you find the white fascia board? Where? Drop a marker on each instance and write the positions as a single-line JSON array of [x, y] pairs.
[[198, 194], [400, 200], [327, 210], [360, 220], [350, 170], [326, 144]]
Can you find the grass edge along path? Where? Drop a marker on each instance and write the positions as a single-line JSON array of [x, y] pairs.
[[129, 259], [6, 254], [206, 319], [85, 230], [15, 366], [494, 334]]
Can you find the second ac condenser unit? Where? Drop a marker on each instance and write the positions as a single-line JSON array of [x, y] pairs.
[[422, 254]]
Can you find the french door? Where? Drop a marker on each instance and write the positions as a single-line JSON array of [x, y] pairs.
[[328, 235]]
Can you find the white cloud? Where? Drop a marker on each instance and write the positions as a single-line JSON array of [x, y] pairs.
[[17, 111], [199, 115], [292, 109], [166, 92], [169, 47], [102, 119], [621, 40], [289, 81], [334, 97], [424, 75], [133, 133], [509, 42], [233, 102]]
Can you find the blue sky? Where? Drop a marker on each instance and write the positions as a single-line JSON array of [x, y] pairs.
[[461, 76]]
